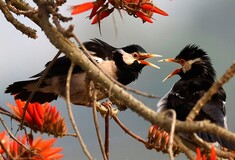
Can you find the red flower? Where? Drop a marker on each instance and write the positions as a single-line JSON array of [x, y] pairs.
[[137, 8], [40, 117], [41, 147], [159, 140], [4, 140], [203, 156], [44, 149], [82, 7], [102, 15]]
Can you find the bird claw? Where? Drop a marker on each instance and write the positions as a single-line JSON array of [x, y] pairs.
[[106, 108]]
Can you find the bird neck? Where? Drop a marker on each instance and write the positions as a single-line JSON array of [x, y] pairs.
[[202, 70], [126, 73], [126, 76]]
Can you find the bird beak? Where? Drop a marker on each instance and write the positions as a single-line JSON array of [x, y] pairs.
[[148, 64], [143, 56], [168, 60], [172, 74]]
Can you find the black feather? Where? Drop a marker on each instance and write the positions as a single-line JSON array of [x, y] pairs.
[[20, 92], [194, 83], [53, 84], [60, 67], [100, 49], [134, 48]]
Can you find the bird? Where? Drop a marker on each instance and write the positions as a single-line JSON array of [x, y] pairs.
[[122, 64], [197, 75]]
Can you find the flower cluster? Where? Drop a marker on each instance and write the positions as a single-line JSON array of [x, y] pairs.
[[40, 117], [38, 150], [159, 140], [201, 156], [142, 9]]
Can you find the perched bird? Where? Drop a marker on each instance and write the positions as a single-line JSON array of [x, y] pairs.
[[122, 64], [196, 76]]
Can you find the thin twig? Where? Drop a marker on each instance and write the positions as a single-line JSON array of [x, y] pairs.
[[15, 139], [172, 132], [1, 157], [219, 153], [70, 112], [5, 150], [213, 89], [37, 86], [9, 114], [126, 130], [95, 118], [106, 142], [17, 11], [18, 25], [185, 149]]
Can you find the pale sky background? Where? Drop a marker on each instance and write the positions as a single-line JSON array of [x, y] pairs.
[[210, 24]]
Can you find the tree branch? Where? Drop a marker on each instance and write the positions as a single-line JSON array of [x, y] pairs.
[[70, 112], [74, 53], [97, 128], [214, 89], [18, 25]]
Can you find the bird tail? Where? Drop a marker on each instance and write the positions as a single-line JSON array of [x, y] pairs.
[[20, 91], [214, 138]]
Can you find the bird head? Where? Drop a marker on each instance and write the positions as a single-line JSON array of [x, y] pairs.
[[130, 60], [194, 63], [133, 57]]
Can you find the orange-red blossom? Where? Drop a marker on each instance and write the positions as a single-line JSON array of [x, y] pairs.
[[203, 156], [44, 148], [143, 9], [40, 117]]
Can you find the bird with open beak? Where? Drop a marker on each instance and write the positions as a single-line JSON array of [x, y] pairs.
[[196, 76], [121, 64]]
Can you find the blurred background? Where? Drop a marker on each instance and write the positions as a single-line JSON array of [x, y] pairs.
[[209, 24]]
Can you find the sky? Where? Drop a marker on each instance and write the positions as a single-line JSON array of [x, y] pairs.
[[209, 24]]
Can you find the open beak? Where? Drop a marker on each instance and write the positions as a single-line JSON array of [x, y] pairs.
[[175, 71], [168, 60], [148, 64], [172, 74], [143, 56]]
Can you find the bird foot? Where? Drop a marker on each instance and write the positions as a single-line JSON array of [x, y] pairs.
[[106, 108]]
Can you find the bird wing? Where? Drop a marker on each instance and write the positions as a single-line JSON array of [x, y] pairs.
[[185, 94], [100, 49], [60, 67]]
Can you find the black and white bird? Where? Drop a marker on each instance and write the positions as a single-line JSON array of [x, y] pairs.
[[122, 64], [196, 76]]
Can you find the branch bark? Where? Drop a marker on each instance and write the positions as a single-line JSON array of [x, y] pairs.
[[77, 56], [66, 46]]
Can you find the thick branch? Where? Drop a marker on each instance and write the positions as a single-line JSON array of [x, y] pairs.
[[74, 53]]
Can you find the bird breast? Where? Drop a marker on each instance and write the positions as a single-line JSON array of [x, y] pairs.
[[110, 68]]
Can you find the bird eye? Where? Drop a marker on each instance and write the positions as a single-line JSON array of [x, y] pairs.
[[182, 61], [135, 55]]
